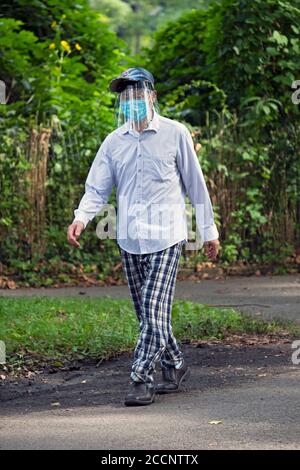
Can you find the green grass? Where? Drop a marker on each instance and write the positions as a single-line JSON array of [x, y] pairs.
[[74, 328]]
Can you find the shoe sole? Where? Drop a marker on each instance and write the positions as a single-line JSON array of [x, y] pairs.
[[183, 379], [139, 402]]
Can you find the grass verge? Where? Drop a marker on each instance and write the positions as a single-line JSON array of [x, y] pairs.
[[66, 329]]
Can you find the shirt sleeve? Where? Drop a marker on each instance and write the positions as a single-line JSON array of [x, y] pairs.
[[98, 186], [195, 186]]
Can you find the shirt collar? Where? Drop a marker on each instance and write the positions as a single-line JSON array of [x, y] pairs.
[[153, 124]]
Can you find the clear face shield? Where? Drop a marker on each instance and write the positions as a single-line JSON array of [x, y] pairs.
[[135, 105]]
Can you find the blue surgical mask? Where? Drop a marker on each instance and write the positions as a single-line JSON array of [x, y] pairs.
[[136, 109]]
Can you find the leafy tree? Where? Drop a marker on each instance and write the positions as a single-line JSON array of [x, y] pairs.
[[228, 71], [136, 20], [56, 60]]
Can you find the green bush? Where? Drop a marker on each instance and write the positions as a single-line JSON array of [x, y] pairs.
[[56, 60], [228, 73]]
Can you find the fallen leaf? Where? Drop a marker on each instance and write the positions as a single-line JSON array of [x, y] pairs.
[[55, 404], [29, 374], [11, 284], [214, 421], [57, 364]]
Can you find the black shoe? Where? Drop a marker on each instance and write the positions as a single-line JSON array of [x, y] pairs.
[[140, 393], [172, 378]]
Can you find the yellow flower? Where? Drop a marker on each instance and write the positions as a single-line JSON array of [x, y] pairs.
[[78, 46], [53, 24], [103, 18], [65, 45], [52, 46]]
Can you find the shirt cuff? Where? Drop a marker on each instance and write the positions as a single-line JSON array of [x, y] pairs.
[[211, 233], [81, 217]]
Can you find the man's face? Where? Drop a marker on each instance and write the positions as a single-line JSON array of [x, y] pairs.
[[146, 101], [137, 103], [140, 94]]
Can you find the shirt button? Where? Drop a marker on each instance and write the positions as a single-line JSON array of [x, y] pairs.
[[140, 170]]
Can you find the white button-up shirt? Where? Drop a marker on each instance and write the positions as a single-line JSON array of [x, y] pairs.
[[153, 171]]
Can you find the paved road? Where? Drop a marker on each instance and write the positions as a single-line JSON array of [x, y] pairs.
[[253, 391], [265, 296]]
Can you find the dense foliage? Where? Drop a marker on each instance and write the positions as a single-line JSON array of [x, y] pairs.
[[228, 71], [136, 20], [56, 60]]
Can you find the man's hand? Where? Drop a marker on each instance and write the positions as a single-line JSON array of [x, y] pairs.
[[74, 231], [211, 248]]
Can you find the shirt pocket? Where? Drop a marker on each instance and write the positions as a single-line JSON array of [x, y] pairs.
[[160, 167]]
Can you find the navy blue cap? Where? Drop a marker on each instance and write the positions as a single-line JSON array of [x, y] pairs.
[[134, 74]]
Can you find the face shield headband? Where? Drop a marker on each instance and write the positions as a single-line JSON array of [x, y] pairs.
[[135, 105]]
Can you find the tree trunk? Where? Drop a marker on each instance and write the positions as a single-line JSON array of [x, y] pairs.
[[35, 220]]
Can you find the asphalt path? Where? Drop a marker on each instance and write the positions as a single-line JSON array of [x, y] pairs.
[[268, 297]]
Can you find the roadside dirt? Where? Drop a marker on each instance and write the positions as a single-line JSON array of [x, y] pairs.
[[238, 359]]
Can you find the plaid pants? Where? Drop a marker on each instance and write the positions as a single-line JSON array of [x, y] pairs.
[[151, 280]]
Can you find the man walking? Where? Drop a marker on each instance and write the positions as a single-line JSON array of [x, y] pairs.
[[152, 162]]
